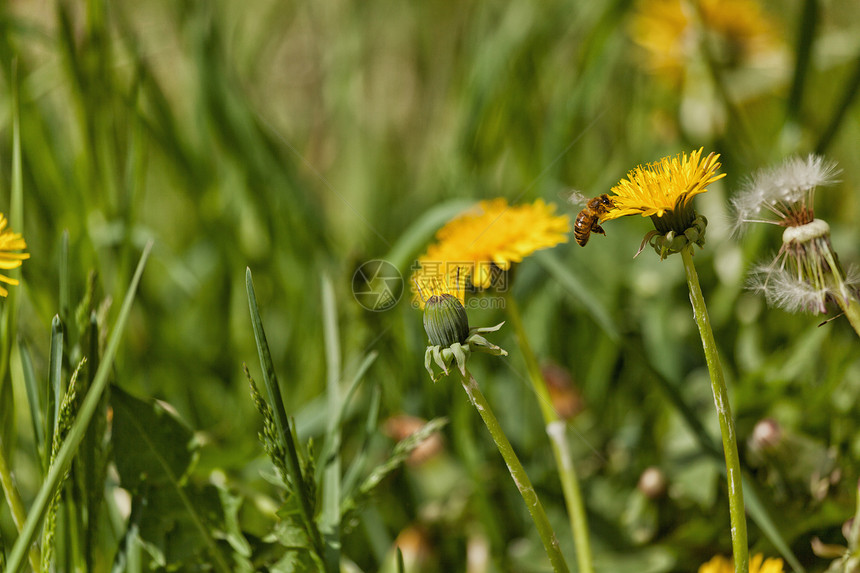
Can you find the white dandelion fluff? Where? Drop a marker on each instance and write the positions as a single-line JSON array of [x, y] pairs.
[[783, 195]]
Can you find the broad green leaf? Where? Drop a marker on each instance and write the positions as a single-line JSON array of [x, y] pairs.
[[150, 444], [154, 451]]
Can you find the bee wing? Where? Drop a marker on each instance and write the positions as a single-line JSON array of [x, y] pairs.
[[574, 197]]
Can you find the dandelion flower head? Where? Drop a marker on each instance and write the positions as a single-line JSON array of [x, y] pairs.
[[432, 280], [664, 186], [783, 195], [738, 31], [9, 260], [758, 564], [476, 245]]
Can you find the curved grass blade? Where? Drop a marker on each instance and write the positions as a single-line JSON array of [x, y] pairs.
[[282, 422], [421, 230], [35, 403], [580, 292], [360, 459], [76, 434], [55, 384], [331, 463]]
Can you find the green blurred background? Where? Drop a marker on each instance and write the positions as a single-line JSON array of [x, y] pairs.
[[303, 139]]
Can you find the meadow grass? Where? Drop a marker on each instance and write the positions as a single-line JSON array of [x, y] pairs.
[[173, 165]]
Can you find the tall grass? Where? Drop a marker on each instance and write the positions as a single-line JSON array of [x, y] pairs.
[[302, 140]]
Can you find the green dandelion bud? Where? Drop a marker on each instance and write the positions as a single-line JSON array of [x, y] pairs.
[[445, 320], [450, 337]]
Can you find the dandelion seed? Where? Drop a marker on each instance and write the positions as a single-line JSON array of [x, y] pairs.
[[783, 195]]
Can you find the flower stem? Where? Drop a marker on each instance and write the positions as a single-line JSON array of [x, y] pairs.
[[16, 506], [724, 412], [851, 308], [556, 429], [518, 473]]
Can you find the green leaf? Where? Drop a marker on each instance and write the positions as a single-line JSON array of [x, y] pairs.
[[154, 451], [167, 530], [149, 443]]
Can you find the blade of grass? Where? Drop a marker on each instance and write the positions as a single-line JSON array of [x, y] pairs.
[[807, 23], [401, 568], [76, 434], [282, 422], [65, 282], [851, 90], [91, 459], [55, 384], [580, 292], [358, 462], [9, 330], [330, 511], [32, 386], [420, 231], [337, 420], [10, 308]]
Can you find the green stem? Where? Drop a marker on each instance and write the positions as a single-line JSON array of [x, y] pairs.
[[850, 92], [724, 412], [803, 56], [851, 308], [518, 473], [19, 516], [556, 430]]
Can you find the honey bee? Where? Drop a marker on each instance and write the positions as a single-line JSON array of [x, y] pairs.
[[588, 220]]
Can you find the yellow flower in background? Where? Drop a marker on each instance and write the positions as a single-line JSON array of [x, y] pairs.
[[477, 245], [670, 31], [9, 242], [432, 280], [720, 564], [664, 186]]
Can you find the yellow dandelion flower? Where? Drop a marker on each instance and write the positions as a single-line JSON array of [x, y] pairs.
[[738, 31], [758, 564], [9, 242], [664, 186], [477, 245], [435, 280]]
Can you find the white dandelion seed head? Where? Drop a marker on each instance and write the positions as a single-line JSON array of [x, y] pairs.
[[792, 182], [785, 290], [797, 175]]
